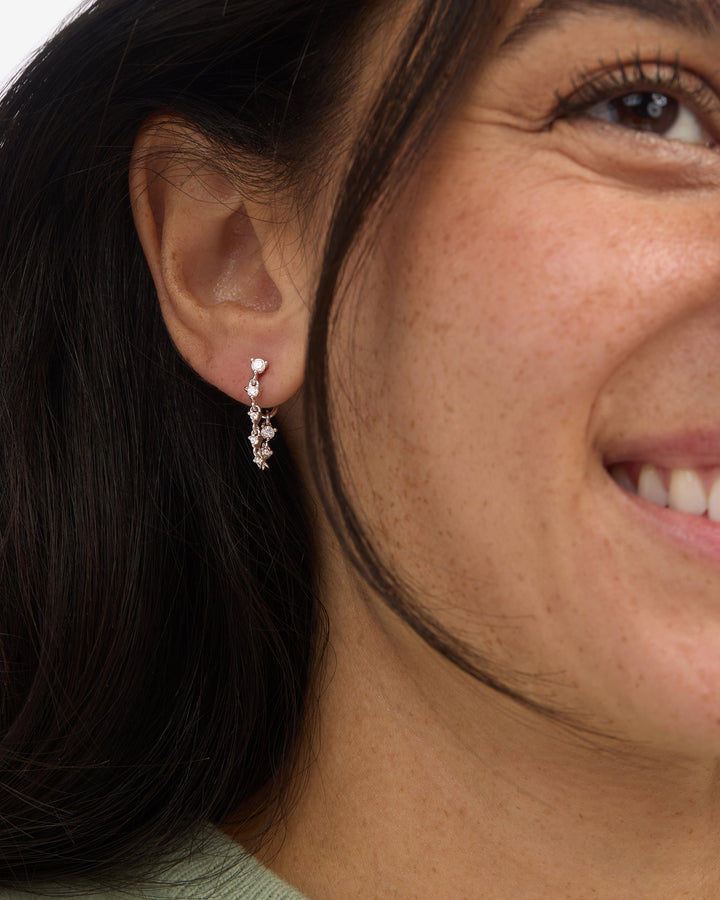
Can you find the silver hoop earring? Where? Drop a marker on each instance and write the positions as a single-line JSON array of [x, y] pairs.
[[262, 429]]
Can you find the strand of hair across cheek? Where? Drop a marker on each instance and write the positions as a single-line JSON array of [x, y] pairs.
[[399, 126]]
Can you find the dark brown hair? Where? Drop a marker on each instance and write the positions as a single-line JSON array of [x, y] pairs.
[[159, 626]]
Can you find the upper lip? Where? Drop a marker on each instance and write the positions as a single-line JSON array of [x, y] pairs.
[[695, 448]]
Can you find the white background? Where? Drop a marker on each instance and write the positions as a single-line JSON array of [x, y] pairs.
[[24, 26]]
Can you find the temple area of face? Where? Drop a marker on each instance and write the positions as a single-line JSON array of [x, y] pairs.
[[698, 16]]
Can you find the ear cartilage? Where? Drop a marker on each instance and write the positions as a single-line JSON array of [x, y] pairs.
[[262, 429]]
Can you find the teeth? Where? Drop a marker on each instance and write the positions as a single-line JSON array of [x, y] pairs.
[[650, 486], [714, 502], [687, 494]]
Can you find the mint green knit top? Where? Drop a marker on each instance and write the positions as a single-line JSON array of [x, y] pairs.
[[215, 868]]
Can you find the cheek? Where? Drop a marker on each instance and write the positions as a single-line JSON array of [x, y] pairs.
[[501, 306], [494, 311], [520, 294], [511, 322]]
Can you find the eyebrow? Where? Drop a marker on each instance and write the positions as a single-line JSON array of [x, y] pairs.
[[701, 16]]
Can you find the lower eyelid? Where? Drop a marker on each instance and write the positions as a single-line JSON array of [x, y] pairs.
[[642, 160]]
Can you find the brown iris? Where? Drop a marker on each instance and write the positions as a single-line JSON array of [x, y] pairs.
[[645, 111]]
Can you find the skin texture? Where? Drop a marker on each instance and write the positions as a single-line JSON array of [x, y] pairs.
[[552, 294], [544, 292]]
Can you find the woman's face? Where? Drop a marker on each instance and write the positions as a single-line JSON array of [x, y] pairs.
[[542, 311]]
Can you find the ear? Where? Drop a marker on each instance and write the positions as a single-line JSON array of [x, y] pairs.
[[219, 263]]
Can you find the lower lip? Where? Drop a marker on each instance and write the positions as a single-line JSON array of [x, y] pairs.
[[696, 535]]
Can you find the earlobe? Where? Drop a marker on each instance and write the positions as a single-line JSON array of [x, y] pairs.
[[217, 260]]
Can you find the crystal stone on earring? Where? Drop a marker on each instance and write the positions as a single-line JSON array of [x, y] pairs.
[[254, 414], [268, 432], [258, 366], [253, 390], [255, 439], [266, 452]]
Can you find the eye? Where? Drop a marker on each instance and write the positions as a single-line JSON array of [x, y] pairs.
[[654, 112]]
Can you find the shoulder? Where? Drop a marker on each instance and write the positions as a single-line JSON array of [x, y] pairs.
[[214, 868]]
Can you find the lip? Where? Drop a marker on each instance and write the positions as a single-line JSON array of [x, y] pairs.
[[690, 449], [695, 449], [692, 535]]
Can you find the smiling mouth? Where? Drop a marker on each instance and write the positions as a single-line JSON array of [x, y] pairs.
[[695, 492]]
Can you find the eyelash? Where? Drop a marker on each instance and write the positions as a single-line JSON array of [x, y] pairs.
[[610, 82]]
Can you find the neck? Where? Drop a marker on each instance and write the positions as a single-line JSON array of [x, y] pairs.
[[425, 783]]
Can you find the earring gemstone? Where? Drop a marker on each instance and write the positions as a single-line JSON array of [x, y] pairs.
[[262, 432], [258, 365]]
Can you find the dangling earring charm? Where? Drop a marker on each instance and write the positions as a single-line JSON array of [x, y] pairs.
[[262, 430]]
